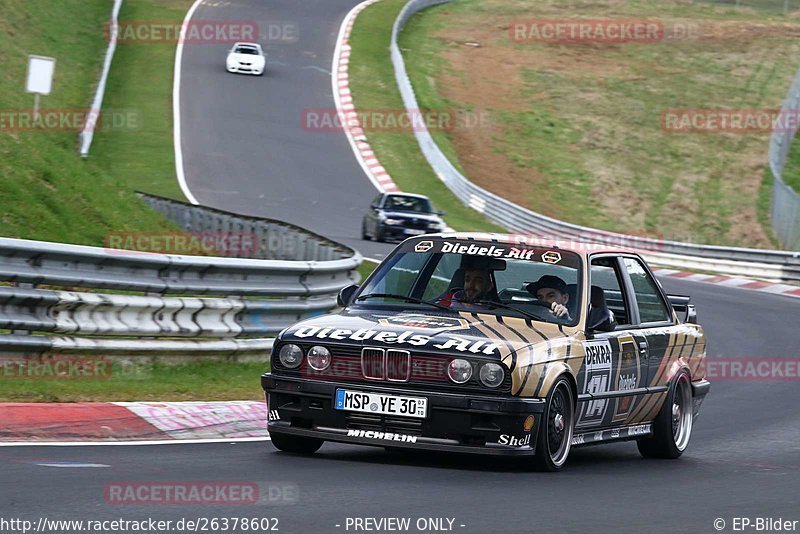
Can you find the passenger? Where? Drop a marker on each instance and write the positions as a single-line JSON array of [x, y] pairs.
[[552, 290]]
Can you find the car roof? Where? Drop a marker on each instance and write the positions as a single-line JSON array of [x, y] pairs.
[[247, 45], [577, 246]]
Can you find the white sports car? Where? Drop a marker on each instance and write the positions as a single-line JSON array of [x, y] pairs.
[[247, 58]]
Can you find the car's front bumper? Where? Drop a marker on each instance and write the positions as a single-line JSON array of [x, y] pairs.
[[242, 69], [455, 422], [396, 231]]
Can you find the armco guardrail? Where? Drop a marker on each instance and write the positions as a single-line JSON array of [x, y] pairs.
[[773, 265], [163, 320], [785, 208], [87, 134], [276, 240]]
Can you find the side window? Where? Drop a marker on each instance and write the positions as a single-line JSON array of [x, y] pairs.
[[652, 308], [377, 200], [442, 275], [605, 277]]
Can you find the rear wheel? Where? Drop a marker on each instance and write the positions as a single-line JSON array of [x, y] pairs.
[[297, 444], [673, 425], [554, 439]]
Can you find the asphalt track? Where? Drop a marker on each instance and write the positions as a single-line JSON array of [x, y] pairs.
[[246, 151], [247, 147]]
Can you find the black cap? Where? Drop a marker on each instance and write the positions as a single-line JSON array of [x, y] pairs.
[[549, 281]]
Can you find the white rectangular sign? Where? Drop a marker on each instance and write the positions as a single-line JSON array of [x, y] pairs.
[[40, 74]]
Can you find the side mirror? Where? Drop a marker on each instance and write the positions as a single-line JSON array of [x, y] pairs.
[[691, 314], [440, 212], [599, 322], [346, 294], [680, 303], [373, 206]]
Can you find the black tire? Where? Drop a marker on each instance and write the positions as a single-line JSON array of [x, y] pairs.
[[673, 425], [555, 428], [296, 444], [364, 234], [379, 237]]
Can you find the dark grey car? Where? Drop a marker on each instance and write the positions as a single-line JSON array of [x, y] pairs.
[[396, 216]]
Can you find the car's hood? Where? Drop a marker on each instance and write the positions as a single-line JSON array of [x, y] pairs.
[[246, 58], [430, 217], [464, 334]]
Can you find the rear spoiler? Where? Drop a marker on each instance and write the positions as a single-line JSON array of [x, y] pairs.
[[680, 303]]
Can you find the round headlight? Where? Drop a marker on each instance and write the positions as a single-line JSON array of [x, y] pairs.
[[492, 375], [319, 358], [459, 371], [291, 356]]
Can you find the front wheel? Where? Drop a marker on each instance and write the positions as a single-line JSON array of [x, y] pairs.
[[673, 425], [554, 439], [296, 444]]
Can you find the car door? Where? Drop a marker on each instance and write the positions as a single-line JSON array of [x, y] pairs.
[[613, 377], [655, 324]]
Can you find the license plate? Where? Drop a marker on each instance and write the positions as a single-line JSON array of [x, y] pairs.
[[414, 231], [377, 403]]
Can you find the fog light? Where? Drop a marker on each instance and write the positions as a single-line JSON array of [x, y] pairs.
[[291, 356], [492, 375], [319, 358], [459, 371]]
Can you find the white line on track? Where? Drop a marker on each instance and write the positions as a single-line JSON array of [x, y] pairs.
[[176, 107], [126, 443]]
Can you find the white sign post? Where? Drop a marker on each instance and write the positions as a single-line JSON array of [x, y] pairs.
[[40, 78]]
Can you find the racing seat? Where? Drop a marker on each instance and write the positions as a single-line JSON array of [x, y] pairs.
[[457, 282], [572, 304], [600, 317]]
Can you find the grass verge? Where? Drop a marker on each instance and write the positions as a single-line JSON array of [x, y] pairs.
[[47, 191], [206, 380], [373, 88], [575, 131], [791, 172]]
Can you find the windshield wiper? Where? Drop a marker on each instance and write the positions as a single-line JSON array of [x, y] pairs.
[[402, 297], [495, 304]]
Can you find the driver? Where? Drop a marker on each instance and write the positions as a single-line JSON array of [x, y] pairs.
[[552, 290], [477, 286]]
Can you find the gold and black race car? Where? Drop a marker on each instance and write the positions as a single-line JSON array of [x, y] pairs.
[[494, 344]]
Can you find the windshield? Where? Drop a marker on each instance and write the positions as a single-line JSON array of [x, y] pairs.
[[497, 278], [247, 50], [402, 203]]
